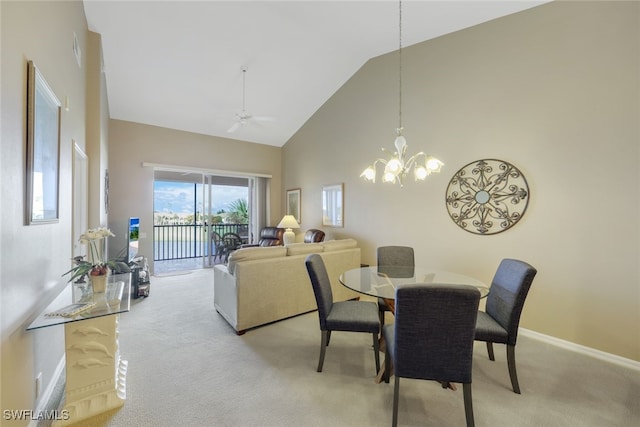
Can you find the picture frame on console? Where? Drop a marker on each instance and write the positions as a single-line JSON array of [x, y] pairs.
[[293, 203], [43, 149]]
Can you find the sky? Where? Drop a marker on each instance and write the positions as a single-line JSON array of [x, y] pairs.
[[179, 197]]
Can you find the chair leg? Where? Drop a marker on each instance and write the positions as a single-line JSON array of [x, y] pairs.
[[328, 338], [468, 404], [324, 341], [376, 351], [490, 350], [511, 362], [387, 364], [396, 393], [381, 316]]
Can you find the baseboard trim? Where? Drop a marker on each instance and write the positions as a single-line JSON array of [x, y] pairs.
[[568, 345], [49, 402]]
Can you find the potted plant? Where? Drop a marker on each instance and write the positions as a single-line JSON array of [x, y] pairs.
[[97, 268]]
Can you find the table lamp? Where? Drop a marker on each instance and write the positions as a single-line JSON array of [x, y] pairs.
[[288, 222]]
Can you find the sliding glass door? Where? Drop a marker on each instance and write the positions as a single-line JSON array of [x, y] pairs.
[[194, 210], [227, 216]]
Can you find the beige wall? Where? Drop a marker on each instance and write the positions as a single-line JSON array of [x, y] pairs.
[[97, 132], [131, 184], [553, 90], [34, 257]]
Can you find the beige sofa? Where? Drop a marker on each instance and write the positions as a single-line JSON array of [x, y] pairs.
[[262, 285]]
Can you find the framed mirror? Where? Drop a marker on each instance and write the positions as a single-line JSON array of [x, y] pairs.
[[332, 205], [43, 149]]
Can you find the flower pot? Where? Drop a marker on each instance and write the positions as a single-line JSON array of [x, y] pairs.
[[99, 283]]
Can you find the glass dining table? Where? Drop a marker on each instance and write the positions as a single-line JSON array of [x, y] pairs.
[[382, 281]]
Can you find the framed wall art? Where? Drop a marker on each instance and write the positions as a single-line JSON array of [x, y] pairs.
[[487, 196], [293, 203], [43, 149], [332, 205]]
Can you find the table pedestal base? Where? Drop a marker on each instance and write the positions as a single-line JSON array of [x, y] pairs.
[[95, 373]]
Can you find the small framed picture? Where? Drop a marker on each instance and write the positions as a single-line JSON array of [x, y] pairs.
[[293, 203]]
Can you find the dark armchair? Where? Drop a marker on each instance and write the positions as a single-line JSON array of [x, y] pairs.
[[269, 236], [313, 236]]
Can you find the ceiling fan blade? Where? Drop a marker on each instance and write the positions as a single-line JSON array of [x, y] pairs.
[[263, 118], [234, 127]]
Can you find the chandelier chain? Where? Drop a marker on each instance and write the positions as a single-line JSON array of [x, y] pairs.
[[244, 82], [400, 68]]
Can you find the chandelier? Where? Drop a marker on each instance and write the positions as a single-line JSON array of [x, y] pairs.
[[398, 166]]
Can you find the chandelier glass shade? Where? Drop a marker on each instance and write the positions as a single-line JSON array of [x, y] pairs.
[[398, 166]]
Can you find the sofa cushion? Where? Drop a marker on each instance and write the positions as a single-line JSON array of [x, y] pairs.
[[336, 245], [245, 254], [303, 248]]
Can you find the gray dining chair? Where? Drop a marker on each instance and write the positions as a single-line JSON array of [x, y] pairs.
[[392, 256], [432, 337], [347, 316], [499, 322]]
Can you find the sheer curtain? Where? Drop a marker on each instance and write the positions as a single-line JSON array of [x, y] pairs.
[[259, 206]]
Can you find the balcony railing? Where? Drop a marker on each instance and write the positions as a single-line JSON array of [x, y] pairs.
[[186, 241]]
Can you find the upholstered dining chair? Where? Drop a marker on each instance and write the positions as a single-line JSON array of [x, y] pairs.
[[313, 235], [390, 256], [499, 322], [346, 316], [432, 337]]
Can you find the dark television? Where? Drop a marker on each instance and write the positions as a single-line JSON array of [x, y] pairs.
[[134, 232]]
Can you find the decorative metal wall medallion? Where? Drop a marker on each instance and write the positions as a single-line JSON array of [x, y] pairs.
[[487, 196]]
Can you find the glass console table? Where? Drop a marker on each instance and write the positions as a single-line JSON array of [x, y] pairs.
[[95, 372]]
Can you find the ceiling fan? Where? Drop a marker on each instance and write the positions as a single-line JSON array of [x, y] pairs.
[[243, 117]]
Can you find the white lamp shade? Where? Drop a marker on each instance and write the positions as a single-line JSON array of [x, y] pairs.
[[288, 222]]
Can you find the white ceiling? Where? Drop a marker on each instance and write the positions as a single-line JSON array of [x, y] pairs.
[[177, 64]]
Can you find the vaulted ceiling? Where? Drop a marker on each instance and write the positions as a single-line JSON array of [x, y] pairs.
[[178, 64]]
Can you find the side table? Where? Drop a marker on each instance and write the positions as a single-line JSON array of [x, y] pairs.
[[95, 371]]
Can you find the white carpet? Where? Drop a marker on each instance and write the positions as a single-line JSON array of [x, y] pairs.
[[187, 367]]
